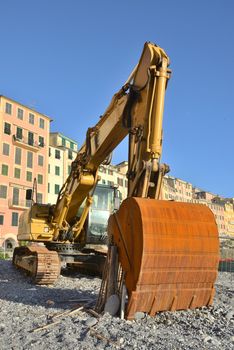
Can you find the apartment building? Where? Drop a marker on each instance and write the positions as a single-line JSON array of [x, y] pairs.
[[62, 152], [209, 199], [24, 138], [229, 216], [228, 213], [207, 196], [176, 189], [168, 192]]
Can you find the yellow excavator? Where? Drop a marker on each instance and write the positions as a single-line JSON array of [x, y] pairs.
[[167, 252]]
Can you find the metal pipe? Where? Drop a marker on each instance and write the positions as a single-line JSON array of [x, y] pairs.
[[158, 107]]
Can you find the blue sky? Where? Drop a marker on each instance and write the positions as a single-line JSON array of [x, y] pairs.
[[67, 58]]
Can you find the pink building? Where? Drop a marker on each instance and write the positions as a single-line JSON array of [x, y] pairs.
[[24, 141]]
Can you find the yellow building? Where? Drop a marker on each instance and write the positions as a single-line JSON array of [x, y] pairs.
[[62, 152], [176, 189], [229, 217]]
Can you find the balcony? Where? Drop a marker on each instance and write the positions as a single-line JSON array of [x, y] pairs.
[[26, 143], [23, 204]]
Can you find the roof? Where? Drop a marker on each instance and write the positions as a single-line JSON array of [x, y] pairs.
[[62, 135], [21, 104]]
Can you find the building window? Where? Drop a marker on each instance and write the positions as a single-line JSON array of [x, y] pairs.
[[14, 219], [18, 156], [5, 149], [48, 168], [69, 154], [8, 108], [5, 169], [31, 118], [120, 181], [41, 123], [40, 160], [39, 198], [29, 159], [63, 142], [15, 196], [19, 133], [1, 219], [71, 145], [29, 176], [30, 138], [57, 154], [17, 173], [49, 151], [57, 170], [28, 203], [7, 128], [3, 191], [41, 141], [110, 172], [40, 179], [48, 187], [20, 114], [56, 189], [69, 169]]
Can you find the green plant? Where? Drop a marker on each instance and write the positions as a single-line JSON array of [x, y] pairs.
[[4, 256]]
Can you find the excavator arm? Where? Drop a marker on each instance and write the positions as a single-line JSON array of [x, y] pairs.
[[136, 110]]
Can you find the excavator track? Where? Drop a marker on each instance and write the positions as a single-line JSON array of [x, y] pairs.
[[169, 252], [39, 262]]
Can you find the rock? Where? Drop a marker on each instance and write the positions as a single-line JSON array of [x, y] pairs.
[[230, 315], [180, 340], [211, 318], [211, 340], [167, 322], [91, 321], [2, 327], [121, 341], [208, 339], [139, 315], [112, 305]]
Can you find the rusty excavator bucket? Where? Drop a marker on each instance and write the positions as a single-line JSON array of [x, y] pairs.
[[169, 252]]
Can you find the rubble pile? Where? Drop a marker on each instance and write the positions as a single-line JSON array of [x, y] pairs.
[[61, 317]]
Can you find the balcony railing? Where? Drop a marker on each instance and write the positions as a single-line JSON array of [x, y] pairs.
[[19, 204], [27, 143]]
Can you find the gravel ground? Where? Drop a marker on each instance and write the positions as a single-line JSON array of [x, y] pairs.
[[25, 307]]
